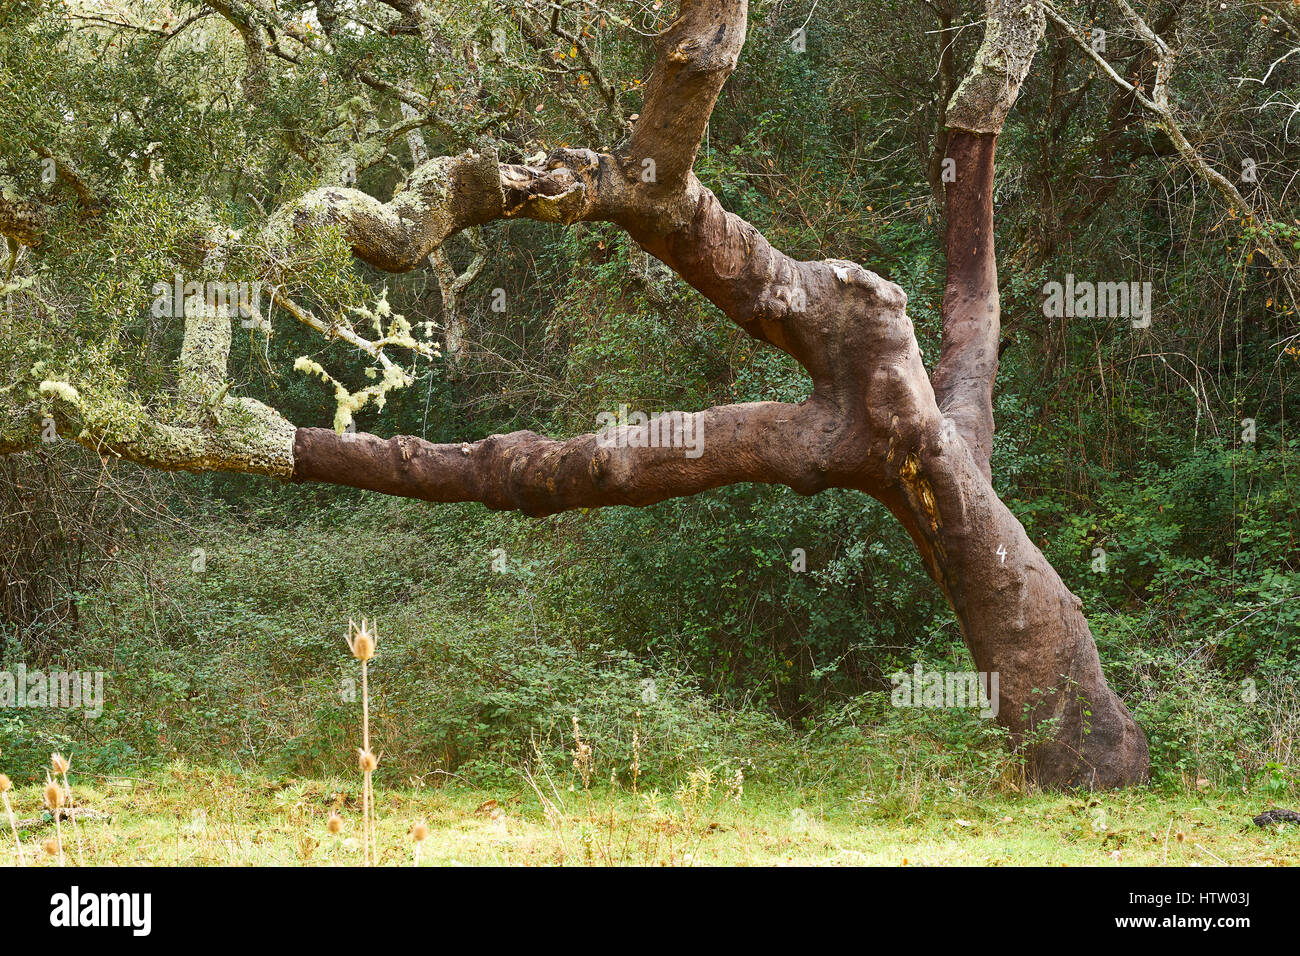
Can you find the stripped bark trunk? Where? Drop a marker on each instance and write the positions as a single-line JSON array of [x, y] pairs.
[[1018, 618], [1021, 622]]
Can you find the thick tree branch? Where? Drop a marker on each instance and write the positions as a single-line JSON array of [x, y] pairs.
[[206, 429], [674, 455], [697, 53], [1012, 31], [968, 362]]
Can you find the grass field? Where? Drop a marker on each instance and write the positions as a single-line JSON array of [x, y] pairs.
[[202, 816]]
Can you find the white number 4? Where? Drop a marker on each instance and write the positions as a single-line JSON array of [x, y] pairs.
[[1002, 553]]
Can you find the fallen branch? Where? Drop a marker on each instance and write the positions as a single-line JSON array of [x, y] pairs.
[[68, 813]]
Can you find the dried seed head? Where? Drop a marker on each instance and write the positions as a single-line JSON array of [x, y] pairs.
[[60, 763], [50, 845], [361, 642], [420, 831], [334, 824], [5, 785], [366, 760], [53, 795]]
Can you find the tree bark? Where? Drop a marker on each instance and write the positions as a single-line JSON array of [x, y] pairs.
[[1017, 616], [1021, 622], [968, 360]]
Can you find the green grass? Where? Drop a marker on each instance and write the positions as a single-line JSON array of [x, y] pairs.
[[204, 816]]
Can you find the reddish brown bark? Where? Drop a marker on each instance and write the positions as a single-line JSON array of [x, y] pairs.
[[1021, 622], [968, 363], [522, 471]]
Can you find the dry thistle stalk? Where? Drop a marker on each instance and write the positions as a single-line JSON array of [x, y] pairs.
[[636, 751], [582, 759], [420, 833], [363, 644], [736, 786], [368, 763], [54, 800], [5, 786], [61, 767]]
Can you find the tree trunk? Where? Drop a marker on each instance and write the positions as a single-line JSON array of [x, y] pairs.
[[1022, 623]]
